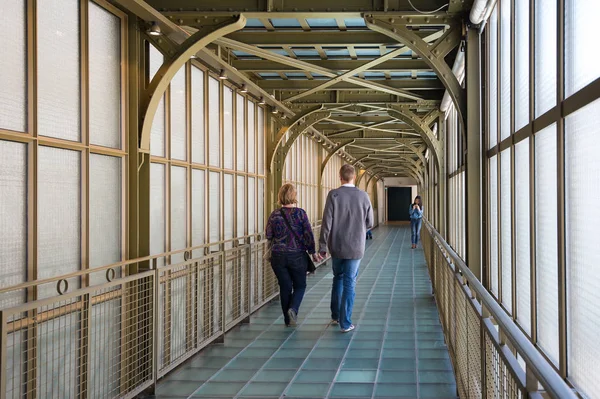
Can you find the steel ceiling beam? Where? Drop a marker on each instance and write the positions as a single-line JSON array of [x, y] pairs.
[[346, 76], [392, 84], [395, 27], [314, 38], [305, 66]]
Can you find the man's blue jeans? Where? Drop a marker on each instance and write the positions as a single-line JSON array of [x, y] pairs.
[[415, 230], [345, 272]]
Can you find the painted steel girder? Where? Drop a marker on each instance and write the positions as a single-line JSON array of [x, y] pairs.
[[157, 87], [395, 27], [416, 123], [330, 155]]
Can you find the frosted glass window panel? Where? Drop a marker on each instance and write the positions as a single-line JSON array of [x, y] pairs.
[[214, 207], [198, 126], [178, 211], [227, 128], [493, 76], [522, 233], [545, 55], [58, 66], [494, 224], [198, 213], [13, 219], [156, 61], [261, 141], [157, 210], [240, 126], [178, 116], [105, 212], [251, 138], [546, 241], [105, 78], [505, 66], [228, 211], [521, 64], [157, 132], [505, 218], [251, 206], [13, 64], [582, 66], [59, 215], [241, 206], [214, 127], [261, 204], [582, 169]]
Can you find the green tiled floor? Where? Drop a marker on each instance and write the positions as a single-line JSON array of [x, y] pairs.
[[396, 351]]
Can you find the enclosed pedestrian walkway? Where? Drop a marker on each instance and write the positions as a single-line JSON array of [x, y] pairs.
[[396, 351]]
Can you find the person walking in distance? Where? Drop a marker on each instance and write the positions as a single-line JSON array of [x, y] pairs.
[[346, 218], [416, 215]]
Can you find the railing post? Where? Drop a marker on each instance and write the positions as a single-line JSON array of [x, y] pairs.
[[222, 305], [155, 337], [3, 349], [248, 280]]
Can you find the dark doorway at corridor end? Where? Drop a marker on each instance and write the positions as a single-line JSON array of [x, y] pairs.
[[399, 200]]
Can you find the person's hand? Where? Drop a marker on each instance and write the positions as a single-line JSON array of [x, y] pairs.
[[316, 257], [323, 254]]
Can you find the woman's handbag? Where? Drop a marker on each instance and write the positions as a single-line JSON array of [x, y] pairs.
[[310, 265]]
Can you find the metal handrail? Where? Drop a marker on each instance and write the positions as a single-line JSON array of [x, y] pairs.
[[541, 369]]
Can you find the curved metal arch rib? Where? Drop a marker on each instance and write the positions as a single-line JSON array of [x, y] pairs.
[[403, 35], [330, 155], [169, 68]]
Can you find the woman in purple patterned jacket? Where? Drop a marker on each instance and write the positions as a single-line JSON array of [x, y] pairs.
[[288, 258]]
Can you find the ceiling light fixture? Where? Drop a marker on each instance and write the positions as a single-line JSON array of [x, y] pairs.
[[262, 101], [274, 110], [222, 75], [244, 89], [154, 29]]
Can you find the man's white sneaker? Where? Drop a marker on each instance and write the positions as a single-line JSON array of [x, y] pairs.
[[345, 330]]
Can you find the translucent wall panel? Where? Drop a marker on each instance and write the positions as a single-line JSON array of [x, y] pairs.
[[198, 129], [214, 207], [156, 60], [546, 241], [58, 77], [261, 140], [494, 224], [228, 211], [13, 64], [241, 208], [105, 211], [178, 211], [523, 247], [105, 78], [13, 213], [178, 116], [545, 55], [260, 197], [157, 209], [505, 218], [157, 134], [214, 127], [59, 215], [522, 58], [105, 352], [198, 203], [493, 78], [505, 67], [227, 128], [251, 138], [582, 169], [240, 126], [581, 62], [251, 205]]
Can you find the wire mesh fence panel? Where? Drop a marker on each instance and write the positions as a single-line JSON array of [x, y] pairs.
[[236, 285], [461, 353], [474, 356], [95, 342]]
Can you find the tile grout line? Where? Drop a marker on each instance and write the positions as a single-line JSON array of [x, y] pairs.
[[387, 321], [415, 326], [257, 337], [283, 394], [361, 316]]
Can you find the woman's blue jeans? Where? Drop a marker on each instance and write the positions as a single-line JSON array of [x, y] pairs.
[[415, 230]]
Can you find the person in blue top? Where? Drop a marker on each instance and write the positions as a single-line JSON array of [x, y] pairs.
[[416, 214]]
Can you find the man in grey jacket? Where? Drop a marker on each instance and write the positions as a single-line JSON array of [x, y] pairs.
[[346, 218]]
